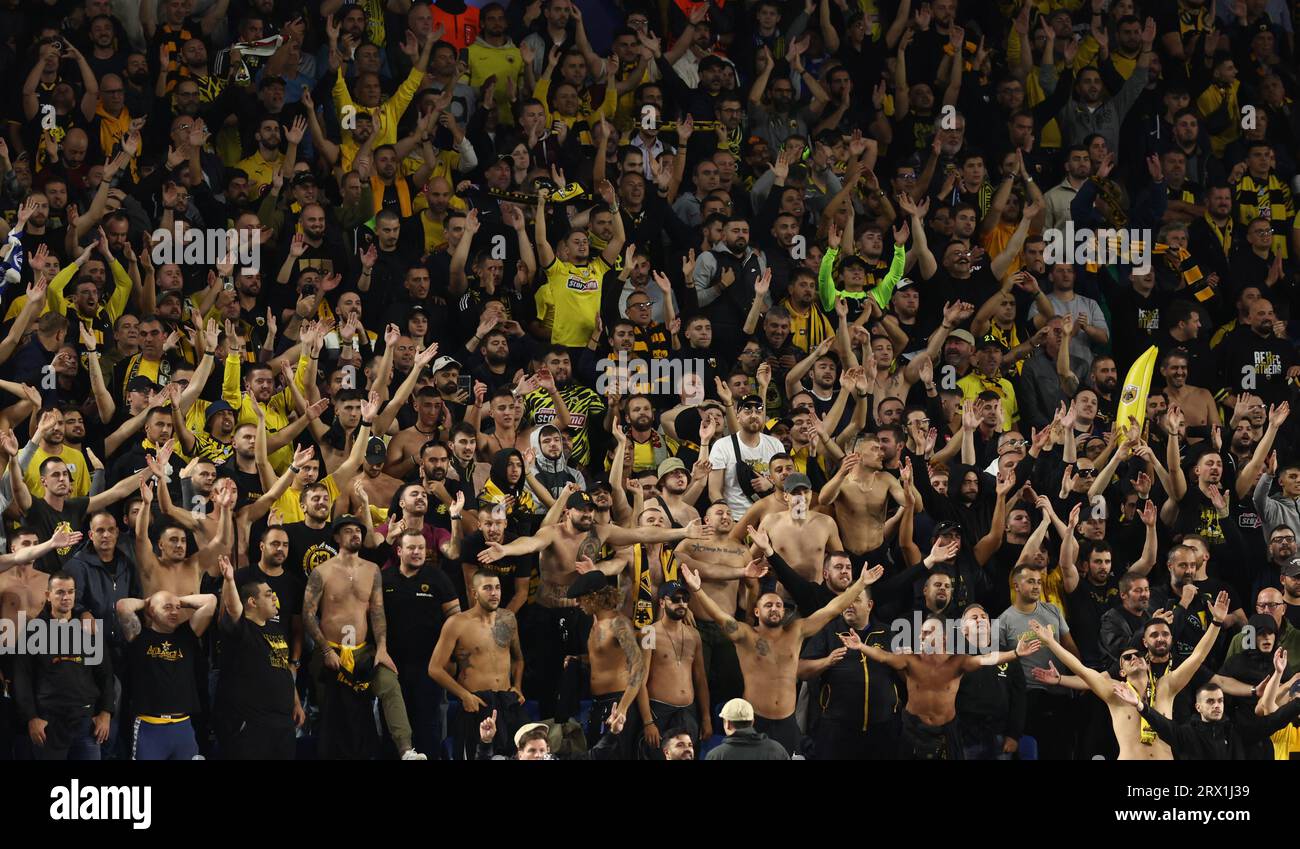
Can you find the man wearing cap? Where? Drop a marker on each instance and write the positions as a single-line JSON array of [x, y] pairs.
[[379, 486], [676, 691], [769, 651], [674, 489], [561, 545], [484, 644], [800, 535], [744, 742], [343, 613], [614, 657], [987, 376], [738, 459]]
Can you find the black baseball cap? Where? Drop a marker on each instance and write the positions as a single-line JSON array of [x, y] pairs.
[[141, 384], [949, 527], [668, 589], [591, 582], [988, 340], [751, 401], [579, 501], [376, 450]]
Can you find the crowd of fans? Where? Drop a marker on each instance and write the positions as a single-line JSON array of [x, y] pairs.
[[405, 379]]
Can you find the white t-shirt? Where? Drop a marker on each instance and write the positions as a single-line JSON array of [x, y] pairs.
[[723, 456]]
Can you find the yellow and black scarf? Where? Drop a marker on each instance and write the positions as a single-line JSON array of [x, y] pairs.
[[643, 613]]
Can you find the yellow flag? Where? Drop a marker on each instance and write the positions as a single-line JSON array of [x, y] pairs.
[[1133, 400]]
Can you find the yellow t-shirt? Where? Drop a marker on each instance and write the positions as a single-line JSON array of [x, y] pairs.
[[973, 384], [575, 291], [77, 466], [260, 172]]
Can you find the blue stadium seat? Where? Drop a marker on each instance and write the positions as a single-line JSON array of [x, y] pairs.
[[1028, 748]]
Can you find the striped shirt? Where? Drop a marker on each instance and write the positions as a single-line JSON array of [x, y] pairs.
[[584, 405]]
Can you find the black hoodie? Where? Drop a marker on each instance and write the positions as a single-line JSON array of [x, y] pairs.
[[63, 685]]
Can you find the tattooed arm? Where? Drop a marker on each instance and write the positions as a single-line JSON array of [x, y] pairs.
[[636, 666], [701, 604], [128, 616], [311, 621]]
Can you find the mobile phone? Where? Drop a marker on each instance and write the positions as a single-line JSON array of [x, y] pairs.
[[309, 290], [465, 383]]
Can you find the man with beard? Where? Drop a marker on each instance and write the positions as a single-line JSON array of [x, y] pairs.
[[551, 466], [673, 485], [311, 540], [267, 158], [561, 545], [1199, 409], [1137, 739], [724, 278], [614, 658], [50, 441], [1104, 378], [343, 611], [1260, 348], [1205, 506], [857, 697], [484, 643], [379, 486], [582, 404], [407, 447], [769, 652], [408, 512], [1189, 603], [676, 692]]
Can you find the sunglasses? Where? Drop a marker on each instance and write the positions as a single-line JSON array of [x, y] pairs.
[[1129, 656], [1087, 473]]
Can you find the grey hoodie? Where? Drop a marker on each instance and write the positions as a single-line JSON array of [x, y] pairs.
[[1277, 509]]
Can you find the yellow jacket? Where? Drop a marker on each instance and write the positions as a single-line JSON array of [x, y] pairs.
[[277, 407]]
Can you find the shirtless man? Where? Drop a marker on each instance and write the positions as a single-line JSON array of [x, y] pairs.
[[652, 564], [720, 562], [676, 692], [933, 677], [1137, 740], [860, 492], [674, 491], [1197, 404], [504, 412], [769, 651], [173, 569], [484, 643], [577, 535], [431, 424], [342, 611], [23, 586], [800, 535], [779, 468], [615, 660], [379, 486]]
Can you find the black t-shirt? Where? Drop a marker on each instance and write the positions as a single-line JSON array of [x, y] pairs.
[[508, 569], [45, 520], [308, 547], [249, 483], [288, 587], [413, 608], [1085, 607], [162, 671], [256, 683]]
